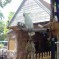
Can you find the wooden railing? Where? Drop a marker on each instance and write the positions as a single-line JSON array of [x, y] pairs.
[[43, 55]]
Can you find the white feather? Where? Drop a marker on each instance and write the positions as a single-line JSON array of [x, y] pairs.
[[28, 21]]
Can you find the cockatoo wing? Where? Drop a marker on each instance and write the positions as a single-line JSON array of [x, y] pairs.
[[28, 21]]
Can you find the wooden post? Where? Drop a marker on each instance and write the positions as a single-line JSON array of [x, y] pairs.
[[22, 38], [55, 28], [57, 45]]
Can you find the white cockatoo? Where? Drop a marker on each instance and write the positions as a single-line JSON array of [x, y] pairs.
[[28, 21], [28, 24]]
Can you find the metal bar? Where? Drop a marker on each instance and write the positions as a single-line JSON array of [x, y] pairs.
[[57, 8], [52, 10], [56, 42], [52, 48]]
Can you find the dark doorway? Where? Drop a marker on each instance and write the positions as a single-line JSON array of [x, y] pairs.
[[41, 42]]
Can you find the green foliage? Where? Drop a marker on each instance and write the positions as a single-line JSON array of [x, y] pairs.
[[11, 14], [1, 15], [1, 26], [1, 29], [4, 3], [1, 45], [5, 28]]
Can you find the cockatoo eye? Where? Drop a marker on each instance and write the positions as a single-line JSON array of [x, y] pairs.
[[23, 14]]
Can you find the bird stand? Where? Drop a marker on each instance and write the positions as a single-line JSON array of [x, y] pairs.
[[31, 33], [30, 49]]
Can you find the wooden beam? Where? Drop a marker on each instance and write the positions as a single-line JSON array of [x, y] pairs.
[[33, 30], [47, 5]]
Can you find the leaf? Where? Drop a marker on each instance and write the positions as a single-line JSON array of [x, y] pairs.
[[4, 3]]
